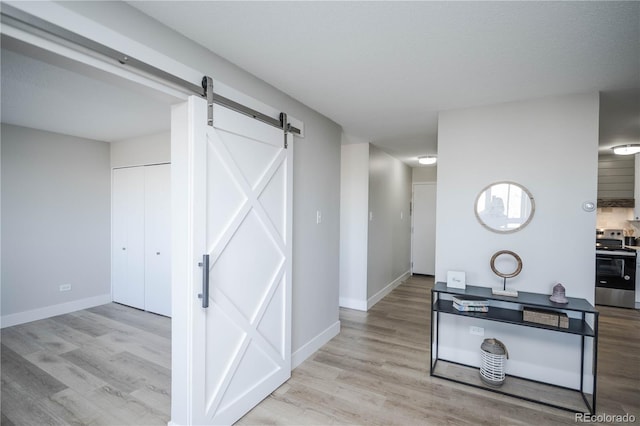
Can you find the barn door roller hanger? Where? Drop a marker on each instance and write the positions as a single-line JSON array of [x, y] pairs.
[[214, 98]]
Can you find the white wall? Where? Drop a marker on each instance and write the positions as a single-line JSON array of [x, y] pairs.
[[389, 240], [375, 225], [55, 222], [549, 146], [316, 166], [354, 225], [424, 174], [150, 149]]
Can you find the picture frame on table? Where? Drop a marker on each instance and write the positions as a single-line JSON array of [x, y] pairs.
[[456, 279]]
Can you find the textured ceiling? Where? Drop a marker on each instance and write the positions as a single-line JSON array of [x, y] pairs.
[[53, 96], [383, 70]]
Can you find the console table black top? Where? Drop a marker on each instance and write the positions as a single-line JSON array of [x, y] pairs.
[[525, 298]]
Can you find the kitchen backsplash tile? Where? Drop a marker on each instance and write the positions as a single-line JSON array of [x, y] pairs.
[[615, 217]]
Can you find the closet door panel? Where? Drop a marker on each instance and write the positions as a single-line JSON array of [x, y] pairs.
[[128, 275], [158, 239]]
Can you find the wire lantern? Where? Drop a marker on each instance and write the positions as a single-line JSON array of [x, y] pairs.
[[494, 356]]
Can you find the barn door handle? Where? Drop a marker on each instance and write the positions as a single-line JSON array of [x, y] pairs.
[[205, 281]]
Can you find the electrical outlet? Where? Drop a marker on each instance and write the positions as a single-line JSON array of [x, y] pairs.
[[65, 287], [478, 331]]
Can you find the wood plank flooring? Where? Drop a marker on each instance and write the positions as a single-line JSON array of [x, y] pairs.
[[376, 372], [110, 365]]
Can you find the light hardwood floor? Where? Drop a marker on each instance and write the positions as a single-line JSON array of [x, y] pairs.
[[111, 365], [376, 372]]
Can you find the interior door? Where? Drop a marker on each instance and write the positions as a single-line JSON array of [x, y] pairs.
[[423, 238], [242, 180], [157, 224], [127, 248]]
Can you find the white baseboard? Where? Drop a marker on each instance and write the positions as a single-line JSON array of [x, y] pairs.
[[365, 305], [360, 305], [51, 311], [387, 289], [314, 344]]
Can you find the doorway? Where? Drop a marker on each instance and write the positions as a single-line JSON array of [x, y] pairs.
[[76, 114], [182, 188], [63, 120], [423, 237]]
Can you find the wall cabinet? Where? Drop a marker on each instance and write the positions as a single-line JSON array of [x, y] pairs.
[[141, 237]]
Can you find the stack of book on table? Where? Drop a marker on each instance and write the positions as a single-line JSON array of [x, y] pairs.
[[470, 304]]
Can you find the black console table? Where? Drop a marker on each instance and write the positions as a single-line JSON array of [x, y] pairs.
[[510, 311]]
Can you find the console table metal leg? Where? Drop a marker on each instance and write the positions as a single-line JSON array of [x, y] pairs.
[[595, 359]]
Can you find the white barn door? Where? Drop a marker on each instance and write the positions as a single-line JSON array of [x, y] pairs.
[[242, 180]]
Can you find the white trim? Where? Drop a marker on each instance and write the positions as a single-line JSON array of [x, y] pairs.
[[365, 305], [360, 305], [387, 289], [84, 26], [309, 348], [52, 311], [182, 286], [81, 58]]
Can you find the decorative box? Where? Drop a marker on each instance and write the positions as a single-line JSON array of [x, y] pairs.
[[541, 316]]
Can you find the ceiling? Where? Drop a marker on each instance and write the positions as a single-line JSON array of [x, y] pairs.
[[46, 92], [382, 70]]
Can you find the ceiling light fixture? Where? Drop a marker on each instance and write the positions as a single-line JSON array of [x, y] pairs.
[[427, 159], [632, 148]]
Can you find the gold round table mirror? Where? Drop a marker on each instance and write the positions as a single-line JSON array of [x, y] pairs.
[[504, 257]]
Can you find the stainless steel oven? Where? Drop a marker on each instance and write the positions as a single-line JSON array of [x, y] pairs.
[[615, 274]]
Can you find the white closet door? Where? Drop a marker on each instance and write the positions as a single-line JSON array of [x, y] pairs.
[[157, 200], [128, 236]]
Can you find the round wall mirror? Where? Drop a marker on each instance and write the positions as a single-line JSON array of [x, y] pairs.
[[504, 207]]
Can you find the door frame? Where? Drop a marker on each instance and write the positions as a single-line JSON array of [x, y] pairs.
[[181, 224]]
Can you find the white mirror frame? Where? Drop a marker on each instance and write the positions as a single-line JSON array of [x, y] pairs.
[[526, 195]]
